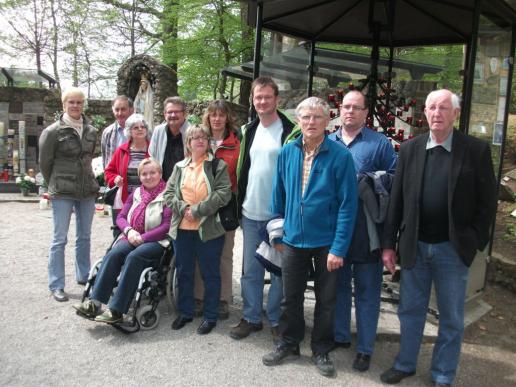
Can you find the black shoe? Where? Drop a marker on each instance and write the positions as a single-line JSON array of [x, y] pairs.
[[275, 335], [280, 353], [361, 362], [206, 327], [180, 322], [59, 295], [437, 384], [394, 376], [244, 329], [338, 344], [324, 365]]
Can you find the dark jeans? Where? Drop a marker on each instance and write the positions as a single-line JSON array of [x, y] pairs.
[[129, 262], [296, 266], [188, 245]]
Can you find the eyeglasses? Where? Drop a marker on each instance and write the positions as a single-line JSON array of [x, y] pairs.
[[308, 118], [199, 138], [352, 107]]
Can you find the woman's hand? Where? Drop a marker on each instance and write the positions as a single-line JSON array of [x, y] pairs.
[[119, 181], [134, 238], [188, 215]]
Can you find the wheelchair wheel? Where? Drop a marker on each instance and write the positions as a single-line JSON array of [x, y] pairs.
[[147, 318], [172, 284]]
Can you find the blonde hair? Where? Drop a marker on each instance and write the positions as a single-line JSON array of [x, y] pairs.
[[191, 132], [72, 91], [149, 161]]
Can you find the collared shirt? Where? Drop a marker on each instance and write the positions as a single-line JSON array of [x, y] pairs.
[[308, 159], [120, 137], [371, 151], [447, 144], [193, 190]]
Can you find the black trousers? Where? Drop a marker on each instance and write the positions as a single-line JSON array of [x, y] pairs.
[[296, 265]]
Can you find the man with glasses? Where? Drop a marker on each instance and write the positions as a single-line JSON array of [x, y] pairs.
[[167, 145], [443, 202], [315, 192], [372, 152]]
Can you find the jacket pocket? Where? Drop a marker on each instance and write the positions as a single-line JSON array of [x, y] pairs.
[[66, 184], [68, 145]]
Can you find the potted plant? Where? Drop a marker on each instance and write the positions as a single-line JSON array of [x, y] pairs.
[[26, 184]]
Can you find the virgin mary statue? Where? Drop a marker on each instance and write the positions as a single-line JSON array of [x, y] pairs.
[[144, 101]]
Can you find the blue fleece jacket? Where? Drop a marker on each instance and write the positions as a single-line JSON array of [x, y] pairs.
[[325, 214]]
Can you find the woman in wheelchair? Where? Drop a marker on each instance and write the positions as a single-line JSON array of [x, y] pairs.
[[145, 221]]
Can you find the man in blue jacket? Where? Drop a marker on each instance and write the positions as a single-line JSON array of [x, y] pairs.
[[315, 191]]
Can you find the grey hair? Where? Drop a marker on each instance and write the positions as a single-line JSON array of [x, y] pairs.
[[455, 99], [313, 103], [132, 120]]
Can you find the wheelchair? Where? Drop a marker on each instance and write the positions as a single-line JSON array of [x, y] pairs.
[[155, 284]]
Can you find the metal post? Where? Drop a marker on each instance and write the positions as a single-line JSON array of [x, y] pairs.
[[470, 71], [505, 123], [311, 69], [257, 48]]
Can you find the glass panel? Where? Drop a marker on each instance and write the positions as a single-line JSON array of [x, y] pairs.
[[286, 61], [490, 85]]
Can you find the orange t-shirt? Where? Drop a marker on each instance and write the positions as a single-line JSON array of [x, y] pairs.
[[193, 190]]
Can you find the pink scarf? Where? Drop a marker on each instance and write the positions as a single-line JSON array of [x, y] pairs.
[[138, 218]]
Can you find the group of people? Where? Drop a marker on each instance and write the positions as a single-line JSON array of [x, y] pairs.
[[348, 206]]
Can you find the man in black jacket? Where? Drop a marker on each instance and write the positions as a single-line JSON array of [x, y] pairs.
[[442, 205], [261, 143]]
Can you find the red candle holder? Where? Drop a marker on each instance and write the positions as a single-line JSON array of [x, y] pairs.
[[405, 107], [409, 120], [399, 113], [410, 136], [331, 97], [340, 93], [419, 123], [396, 147]]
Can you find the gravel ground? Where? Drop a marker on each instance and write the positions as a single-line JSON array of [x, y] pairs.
[[45, 343]]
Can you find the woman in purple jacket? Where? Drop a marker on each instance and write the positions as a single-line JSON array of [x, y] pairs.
[[145, 222]]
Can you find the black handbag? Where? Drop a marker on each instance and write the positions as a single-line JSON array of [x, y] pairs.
[[110, 195], [228, 213]]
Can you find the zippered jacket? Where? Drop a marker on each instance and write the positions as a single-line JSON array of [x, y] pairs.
[[325, 214], [229, 151], [290, 131], [65, 160]]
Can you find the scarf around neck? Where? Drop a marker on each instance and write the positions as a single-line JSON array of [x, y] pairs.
[[147, 196], [72, 122]]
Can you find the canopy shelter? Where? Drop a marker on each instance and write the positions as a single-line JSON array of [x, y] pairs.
[[15, 77], [486, 28], [334, 66]]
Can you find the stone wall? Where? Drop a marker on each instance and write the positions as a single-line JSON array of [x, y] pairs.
[[502, 271]]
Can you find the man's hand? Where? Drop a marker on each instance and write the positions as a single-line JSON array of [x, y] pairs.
[[389, 260], [280, 247], [334, 262]]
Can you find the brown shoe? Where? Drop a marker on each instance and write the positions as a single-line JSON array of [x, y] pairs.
[[223, 310], [244, 329]]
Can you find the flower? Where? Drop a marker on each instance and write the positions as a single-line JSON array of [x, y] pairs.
[[26, 182], [98, 170]]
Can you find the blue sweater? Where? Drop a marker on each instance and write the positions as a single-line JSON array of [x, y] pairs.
[[325, 214]]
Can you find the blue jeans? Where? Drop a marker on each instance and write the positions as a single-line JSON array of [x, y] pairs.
[[252, 280], [438, 263], [188, 245], [296, 267], [367, 280], [61, 213], [127, 261]]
